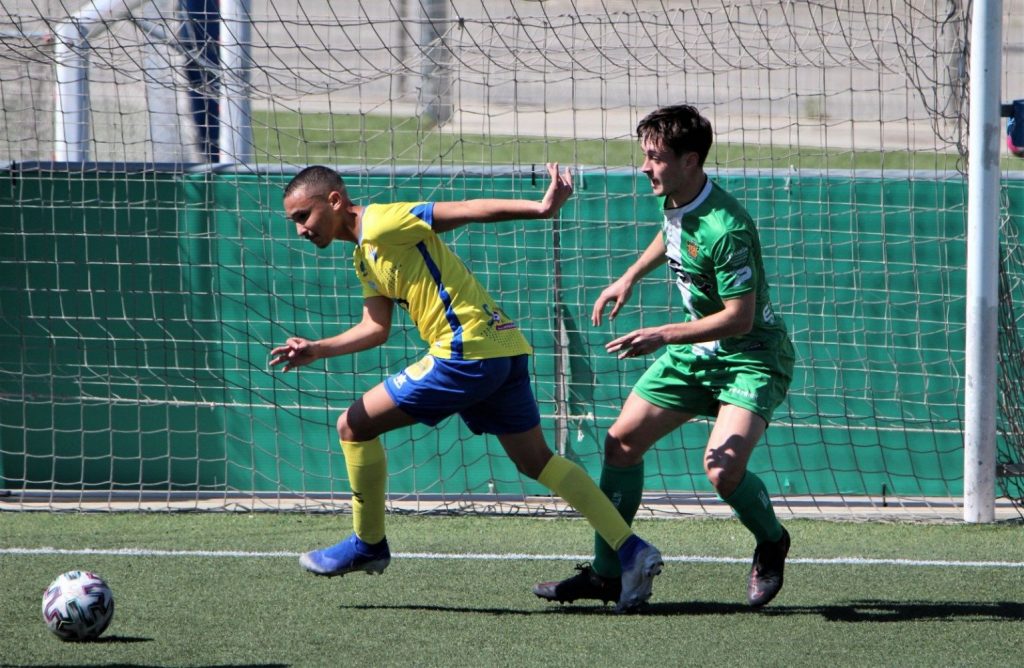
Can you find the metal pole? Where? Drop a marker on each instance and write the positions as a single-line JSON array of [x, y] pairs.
[[235, 98], [435, 103], [982, 262], [71, 103], [71, 52]]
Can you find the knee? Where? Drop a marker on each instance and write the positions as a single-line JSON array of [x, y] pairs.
[[531, 464], [725, 479], [350, 429], [620, 453], [528, 469]]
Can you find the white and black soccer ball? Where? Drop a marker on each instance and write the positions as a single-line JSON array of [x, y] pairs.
[[78, 606]]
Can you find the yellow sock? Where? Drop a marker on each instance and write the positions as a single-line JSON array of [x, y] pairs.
[[571, 482], [368, 475]]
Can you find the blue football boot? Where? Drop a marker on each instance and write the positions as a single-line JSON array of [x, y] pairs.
[[641, 562], [348, 556]]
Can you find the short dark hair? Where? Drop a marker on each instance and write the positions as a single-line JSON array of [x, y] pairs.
[[678, 127], [319, 179]]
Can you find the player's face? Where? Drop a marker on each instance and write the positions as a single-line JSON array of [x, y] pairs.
[[312, 215], [672, 175]]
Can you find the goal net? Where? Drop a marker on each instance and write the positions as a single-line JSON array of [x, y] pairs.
[[148, 269]]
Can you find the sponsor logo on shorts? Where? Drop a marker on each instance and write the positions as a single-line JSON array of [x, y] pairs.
[[746, 394], [418, 370]]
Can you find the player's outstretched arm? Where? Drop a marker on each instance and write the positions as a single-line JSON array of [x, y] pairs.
[[450, 215], [372, 331]]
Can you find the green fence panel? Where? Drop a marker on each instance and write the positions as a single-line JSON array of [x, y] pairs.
[[138, 310]]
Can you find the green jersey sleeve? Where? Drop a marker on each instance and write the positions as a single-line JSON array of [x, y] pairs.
[[733, 258]]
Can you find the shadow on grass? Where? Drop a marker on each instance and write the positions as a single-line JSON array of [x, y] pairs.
[[854, 611], [497, 612], [115, 639], [901, 611], [161, 665]]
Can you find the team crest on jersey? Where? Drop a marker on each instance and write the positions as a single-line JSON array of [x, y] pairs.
[[691, 249]]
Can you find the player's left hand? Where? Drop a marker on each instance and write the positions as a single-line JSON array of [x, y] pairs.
[[558, 192], [296, 352], [636, 343]]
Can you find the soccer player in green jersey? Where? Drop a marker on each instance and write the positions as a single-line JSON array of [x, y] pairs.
[[476, 365], [730, 357]]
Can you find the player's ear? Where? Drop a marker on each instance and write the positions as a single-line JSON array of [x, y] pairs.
[[690, 160]]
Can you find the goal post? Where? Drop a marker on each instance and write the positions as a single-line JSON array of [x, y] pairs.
[[142, 298], [983, 264], [195, 61]]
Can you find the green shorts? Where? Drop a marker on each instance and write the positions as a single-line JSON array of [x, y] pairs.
[[682, 381]]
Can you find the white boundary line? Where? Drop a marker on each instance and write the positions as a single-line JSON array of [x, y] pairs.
[[842, 561]]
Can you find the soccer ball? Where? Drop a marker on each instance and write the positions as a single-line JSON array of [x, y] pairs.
[[78, 605]]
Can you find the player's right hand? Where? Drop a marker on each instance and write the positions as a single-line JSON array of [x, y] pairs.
[[619, 293], [294, 353], [558, 191]]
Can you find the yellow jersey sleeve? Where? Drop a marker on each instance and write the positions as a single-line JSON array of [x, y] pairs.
[[399, 256]]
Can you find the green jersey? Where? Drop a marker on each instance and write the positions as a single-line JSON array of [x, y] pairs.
[[714, 252]]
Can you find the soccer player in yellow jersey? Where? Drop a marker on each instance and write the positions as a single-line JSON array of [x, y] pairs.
[[476, 365]]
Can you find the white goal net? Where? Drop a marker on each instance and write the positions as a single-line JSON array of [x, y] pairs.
[[147, 268]]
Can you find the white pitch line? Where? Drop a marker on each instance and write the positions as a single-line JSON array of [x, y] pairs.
[[841, 561]]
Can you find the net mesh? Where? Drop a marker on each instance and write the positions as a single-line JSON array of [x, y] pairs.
[[144, 283]]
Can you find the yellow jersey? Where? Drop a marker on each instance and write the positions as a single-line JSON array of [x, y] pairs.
[[399, 256]]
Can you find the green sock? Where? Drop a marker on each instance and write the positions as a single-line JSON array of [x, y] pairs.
[[625, 487], [754, 509]]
